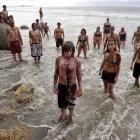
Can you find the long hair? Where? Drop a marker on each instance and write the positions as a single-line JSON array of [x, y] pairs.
[[68, 46]]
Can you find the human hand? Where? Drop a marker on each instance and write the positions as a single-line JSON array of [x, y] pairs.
[[79, 93], [55, 90], [100, 73], [116, 79], [131, 67]]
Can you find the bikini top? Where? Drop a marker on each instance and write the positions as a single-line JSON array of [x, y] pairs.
[[111, 59], [98, 34], [82, 39]]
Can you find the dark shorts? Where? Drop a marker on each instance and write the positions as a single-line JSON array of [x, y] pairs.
[[15, 47], [65, 98], [110, 77], [136, 71], [59, 42]]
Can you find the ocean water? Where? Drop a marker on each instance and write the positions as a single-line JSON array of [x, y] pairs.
[[96, 117]]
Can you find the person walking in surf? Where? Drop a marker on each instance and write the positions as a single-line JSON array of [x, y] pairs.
[[67, 75]]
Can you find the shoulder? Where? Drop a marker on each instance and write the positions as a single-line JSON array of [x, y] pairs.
[[77, 60], [58, 59], [118, 54]]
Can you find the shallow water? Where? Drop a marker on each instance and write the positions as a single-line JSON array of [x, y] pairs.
[[96, 116]]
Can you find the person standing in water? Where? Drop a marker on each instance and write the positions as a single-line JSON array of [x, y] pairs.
[[110, 68], [97, 39], [122, 36], [82, 43], [67, 75], [135, 65], [46, 30], [59, 35], [41, 14], [14, 40], [136, 38], [106, 29], [112, 37], [35, 43]]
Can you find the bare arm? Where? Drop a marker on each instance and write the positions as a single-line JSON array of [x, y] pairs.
[[56, 73], [118, 65], [79, 78], [105, 44], [77, 42], [87, 43], [55, 33], [30, 38], [103, 63], [118, 43], [20, 38], [133, 38], [134, 57]]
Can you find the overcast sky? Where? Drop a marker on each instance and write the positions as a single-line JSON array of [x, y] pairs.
[[50, 2]]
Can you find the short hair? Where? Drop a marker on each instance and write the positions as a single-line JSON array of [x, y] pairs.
[[58, 23], [68, 46], [33, 24], [4, 6]]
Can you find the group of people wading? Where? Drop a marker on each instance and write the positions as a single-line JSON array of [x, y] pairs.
[[67, 75]]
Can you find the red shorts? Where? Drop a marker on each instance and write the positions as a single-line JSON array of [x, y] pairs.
[[15, 47]]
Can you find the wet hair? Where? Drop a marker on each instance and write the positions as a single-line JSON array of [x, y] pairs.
[[107, 50], [4, 6], [33, 24], [58, 23], [97, 28], [68, 46], [37, 20], [122, 28], [83, 30]]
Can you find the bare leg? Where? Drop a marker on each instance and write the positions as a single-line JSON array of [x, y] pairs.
[[105, 86], [71, 112], [94, 44], [14, 56], [137, 82], [123, 43], [19, 56], [48, 35], [99, 45], [85, 53], [104, 36], [35, 59], [62, 115], [38, 59], [110, 88], [79, 51]]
